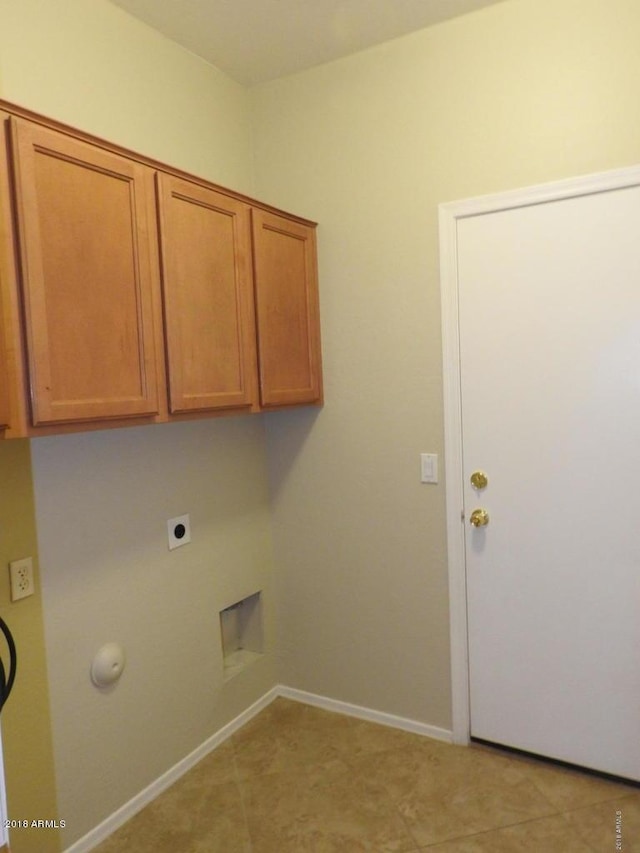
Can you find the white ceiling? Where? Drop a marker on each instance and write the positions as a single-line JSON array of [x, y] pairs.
[[257, 40]]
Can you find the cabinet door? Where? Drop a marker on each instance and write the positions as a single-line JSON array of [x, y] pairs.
[[286, 295], [205, 239], [84, 216]]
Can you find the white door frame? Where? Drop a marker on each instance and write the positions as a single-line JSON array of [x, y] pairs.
[[449, 214]]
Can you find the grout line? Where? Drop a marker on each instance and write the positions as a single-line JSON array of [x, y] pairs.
[[243, 804], [407, 828]]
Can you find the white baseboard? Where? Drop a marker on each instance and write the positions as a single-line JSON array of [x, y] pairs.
[[148, 794], [137, 803], [362, 713]]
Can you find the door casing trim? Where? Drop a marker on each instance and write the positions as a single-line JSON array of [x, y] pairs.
[[449, 214]]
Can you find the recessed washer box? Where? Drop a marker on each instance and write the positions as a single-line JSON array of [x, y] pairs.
[[179, 531], [242, 634]]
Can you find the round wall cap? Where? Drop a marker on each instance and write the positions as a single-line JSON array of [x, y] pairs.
[[107, 665]]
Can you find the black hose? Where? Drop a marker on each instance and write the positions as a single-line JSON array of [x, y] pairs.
[[7, 684]]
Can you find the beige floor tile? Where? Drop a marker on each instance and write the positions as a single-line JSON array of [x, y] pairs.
[[299, 779], [365, 738], [288, 736], [546, 835], [466, 808], [463, 794], [188, 817], [445, 792], [216, 768], [566, 788], [321, 812], [597, 824], [405, 772]]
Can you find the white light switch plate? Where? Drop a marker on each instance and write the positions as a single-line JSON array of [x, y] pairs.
[[428, 467]]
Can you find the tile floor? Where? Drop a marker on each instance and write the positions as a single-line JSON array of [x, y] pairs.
[[297, 779]]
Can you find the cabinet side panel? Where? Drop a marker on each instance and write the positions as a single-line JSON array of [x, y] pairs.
[[5, 263], [11, 326]]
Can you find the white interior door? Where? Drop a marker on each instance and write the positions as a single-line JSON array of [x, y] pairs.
[[549, 333]]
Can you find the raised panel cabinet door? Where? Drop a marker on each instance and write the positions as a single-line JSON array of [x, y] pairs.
[[84, 220], [288, 323], [205, 240]]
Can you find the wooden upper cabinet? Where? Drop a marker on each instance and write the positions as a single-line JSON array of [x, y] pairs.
[[205, 239], [286, 296], [87, 249], [131, 292]]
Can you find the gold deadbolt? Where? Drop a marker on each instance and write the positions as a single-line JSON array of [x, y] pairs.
[[479, 518], [479, 480]]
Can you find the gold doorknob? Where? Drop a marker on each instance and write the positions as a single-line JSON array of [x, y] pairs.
[[479, 518], [479, 480]]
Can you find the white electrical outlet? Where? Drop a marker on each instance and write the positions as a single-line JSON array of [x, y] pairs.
[[178, 531], [21, 575]]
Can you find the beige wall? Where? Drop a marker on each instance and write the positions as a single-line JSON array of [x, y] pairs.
[[95, 67], [102, 502], [103, 499], [26, 729], [523, 92]]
